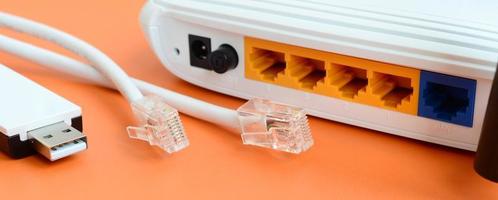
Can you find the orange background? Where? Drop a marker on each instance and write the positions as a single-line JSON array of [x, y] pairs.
[[346, 161]]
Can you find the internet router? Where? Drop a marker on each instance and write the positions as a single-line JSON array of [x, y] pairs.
[[416, 68]]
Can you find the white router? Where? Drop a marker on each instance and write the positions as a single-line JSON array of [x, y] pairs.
[[420, 69]]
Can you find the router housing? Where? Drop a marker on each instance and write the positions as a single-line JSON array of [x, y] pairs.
[[417, 68]]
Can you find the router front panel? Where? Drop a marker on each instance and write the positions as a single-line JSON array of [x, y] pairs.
[[399, 97]]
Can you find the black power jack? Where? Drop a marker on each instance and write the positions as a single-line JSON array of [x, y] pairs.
[[223, 59], [200, 48]]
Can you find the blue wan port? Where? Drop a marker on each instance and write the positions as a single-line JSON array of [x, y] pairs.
[[447, 98]]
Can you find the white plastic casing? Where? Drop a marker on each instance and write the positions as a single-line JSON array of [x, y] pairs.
[[450, 37], [18, 112]]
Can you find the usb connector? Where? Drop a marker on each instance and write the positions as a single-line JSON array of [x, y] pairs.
[[25, 114], [58, 140]]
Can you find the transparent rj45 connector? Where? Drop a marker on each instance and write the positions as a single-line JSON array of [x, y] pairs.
[[160, 124], [276, 126]]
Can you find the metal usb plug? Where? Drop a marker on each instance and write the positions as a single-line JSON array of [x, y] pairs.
[[58, 140]]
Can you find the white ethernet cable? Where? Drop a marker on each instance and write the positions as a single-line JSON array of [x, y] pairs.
[[159, 123], [261, 122], [98, 59]]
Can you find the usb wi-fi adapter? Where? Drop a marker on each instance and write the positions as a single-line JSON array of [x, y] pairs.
[[34, 119]]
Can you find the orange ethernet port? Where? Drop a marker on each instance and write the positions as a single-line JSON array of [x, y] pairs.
[[265, 64], [302, 73], [392, 90], [343, 82], [349, 80]]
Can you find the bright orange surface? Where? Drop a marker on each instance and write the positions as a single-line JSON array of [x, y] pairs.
[[346, 162]]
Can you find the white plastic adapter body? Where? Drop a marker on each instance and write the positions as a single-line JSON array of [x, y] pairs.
[[26, 106]]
